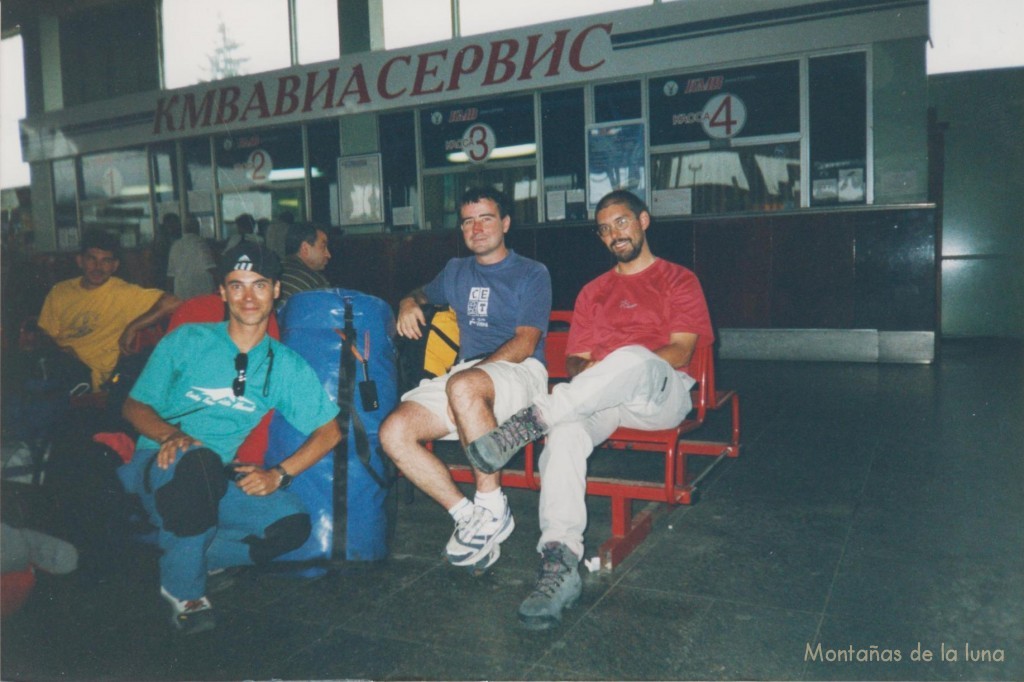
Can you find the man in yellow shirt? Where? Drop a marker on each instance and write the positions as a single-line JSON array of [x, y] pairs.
[[95, 317]]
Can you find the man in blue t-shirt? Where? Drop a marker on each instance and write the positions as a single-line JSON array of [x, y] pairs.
[[205, 387], [502, 302]]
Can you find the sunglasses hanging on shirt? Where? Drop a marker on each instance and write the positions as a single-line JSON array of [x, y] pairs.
[[242, 366]]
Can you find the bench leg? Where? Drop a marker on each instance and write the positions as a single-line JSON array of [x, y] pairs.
[[627, 532]]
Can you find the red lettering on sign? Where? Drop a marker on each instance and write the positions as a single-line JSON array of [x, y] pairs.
[[287, 89], [504, 61], [576, 51], [532, 59], [423, 70], [199, 116], [463, 115], [162, 118], [257, 102], [704, 84], [460, 68], [722, 118], [385, 73], [356, 85], [326, 89], [227, 106]]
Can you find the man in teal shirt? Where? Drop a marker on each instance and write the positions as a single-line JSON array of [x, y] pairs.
[[204, 388]]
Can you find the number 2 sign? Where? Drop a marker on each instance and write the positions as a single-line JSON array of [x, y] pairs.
[[258, 166]]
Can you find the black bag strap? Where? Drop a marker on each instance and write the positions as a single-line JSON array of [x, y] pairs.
[[434, 310], [346, 405]]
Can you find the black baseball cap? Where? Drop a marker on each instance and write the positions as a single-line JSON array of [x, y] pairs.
[[252, 256]]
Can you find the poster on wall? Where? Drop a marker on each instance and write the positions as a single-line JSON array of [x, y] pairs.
[[839, 182], [478, 131], [725, 104], [361, 192], [616, 159]]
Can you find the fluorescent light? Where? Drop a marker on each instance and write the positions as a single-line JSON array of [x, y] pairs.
[[510, 152], [284, 174]]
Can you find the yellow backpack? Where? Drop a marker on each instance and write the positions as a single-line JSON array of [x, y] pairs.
[[434, 352]]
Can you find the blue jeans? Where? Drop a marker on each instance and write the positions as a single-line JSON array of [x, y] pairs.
[[206, 522]]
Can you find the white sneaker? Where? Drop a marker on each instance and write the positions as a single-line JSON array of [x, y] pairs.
[[478, 535], [191, 616]]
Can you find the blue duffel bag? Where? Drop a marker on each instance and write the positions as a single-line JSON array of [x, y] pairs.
[[348, 338]]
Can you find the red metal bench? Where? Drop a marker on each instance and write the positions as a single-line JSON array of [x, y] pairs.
[[678, 485]]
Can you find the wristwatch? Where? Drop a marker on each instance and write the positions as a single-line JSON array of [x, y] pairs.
[[286, 478]]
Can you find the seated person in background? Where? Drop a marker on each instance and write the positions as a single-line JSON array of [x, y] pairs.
[[94, 318], [502, 301], [634, 330], [306, 246], [190, 265], [204, 389], [245, 231]]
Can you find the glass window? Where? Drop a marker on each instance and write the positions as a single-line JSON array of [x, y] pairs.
[[415, 22], [324, 146], [199, 191], [205, 40], [725, 104], [261, 173], [617, 102], [316, 28], [441, 193], [162, 163], [837, 88], [398, 165], [482, 142], [65, 204], [115, 195], [754, 178], [563, 134], [481, 16], [13, 171]]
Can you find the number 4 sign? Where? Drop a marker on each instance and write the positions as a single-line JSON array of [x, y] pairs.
[[724, 116]]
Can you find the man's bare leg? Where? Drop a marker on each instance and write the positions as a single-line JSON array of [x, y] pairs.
[[403, 434], [471, 400]]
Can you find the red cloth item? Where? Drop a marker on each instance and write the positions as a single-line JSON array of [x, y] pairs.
[[15, 588], [119, 442], [642, 309], [210, 308]]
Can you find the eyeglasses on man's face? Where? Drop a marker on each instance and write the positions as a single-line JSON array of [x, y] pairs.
[[620, 224], [241, 365]]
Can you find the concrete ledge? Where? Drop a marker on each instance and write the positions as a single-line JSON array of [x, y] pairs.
[[828, 345]]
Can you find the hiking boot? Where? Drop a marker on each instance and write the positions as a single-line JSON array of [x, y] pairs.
[[192, 616], [477, 536], [558, 587], [491, 451]]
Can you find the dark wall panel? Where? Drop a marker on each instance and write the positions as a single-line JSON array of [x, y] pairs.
[[812, 273], [574, 256], [733, 259], [896, 285]]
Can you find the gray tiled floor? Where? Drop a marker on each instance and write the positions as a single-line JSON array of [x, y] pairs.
[[874, 507]]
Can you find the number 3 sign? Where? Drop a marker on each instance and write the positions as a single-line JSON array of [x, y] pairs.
[[478, 142]]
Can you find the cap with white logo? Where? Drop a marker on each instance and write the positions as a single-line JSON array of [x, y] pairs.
[[251, 257]]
